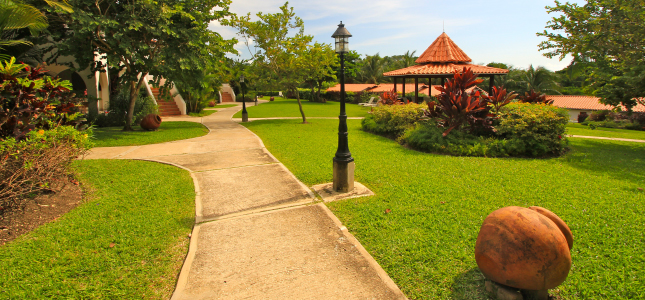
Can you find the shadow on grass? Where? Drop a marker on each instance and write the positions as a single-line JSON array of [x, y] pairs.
[[469, 285], [619, 160]]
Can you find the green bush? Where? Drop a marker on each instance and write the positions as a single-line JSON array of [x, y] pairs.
[[599, 115], [428, 137], [534, 129], [31, 165], [118, 108], [393, 119]]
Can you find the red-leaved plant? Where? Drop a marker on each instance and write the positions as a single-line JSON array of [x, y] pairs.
[[500, 97], [390, 98], [31, 100], [535, 98], [456, 106]]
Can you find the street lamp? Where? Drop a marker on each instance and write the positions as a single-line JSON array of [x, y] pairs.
[[343, 161], [245, 115]]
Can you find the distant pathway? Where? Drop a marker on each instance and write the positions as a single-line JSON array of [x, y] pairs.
[[259, 232], [606, 138]]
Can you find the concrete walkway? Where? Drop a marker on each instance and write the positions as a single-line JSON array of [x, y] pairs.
[[259, 232], [606, 138]]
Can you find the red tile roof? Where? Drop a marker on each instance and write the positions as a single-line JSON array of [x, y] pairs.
[[385, 87], [352, 87], [584, 103], [444, 69], [443, 50]]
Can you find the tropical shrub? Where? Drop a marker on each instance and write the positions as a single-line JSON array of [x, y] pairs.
[[118, 108], [535, 98], [30, 100], [429, 137], [32, 164], [599, 115], [393, 119], [535, 130], [456, 106]]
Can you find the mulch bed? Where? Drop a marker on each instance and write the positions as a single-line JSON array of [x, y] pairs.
[[43, 209]]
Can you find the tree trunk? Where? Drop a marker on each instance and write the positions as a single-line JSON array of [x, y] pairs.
[[302, 112], [311, 84], [134, 94], [318, 93]]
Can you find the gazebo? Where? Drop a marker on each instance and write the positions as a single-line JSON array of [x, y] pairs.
[[441, 60]]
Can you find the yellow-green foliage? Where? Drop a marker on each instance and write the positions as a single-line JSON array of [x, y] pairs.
[[540, 128], [393, 119]]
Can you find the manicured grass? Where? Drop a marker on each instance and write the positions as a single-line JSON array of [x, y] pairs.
[[127, 241], [168, 131], [578, 129], [438, 203], [220, 106], [202, 113], [289, 108]]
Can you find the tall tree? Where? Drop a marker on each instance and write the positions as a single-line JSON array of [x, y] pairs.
[[15, 16], [611, 33], [319, 64], [140, 37], [279, 47], [372, 69]]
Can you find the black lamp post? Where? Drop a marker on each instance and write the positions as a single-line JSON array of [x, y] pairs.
[[245, 115], [343, 161]]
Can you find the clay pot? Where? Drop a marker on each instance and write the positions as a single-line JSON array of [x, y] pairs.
[[524, 248], [150, 122], [271, 99]]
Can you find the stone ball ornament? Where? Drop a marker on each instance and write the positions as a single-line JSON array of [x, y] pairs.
[[524, 248]]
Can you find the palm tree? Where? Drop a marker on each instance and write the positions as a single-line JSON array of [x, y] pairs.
[[15, 15], [372, 69], [540, 79]]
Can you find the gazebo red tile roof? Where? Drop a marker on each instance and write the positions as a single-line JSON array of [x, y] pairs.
[[445, 69], [441, 60], [443, 50]]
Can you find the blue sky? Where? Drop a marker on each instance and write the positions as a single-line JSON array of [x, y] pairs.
[[495, 30]]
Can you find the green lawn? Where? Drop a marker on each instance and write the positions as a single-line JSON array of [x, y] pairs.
[[168, 131], [127, 240], [438, 203], [578, 129], [220, 106], [203, 113], [289, 108]]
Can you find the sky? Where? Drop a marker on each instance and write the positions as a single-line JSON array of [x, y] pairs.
[[487, 31]]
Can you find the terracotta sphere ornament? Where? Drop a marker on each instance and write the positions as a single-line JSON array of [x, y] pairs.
[[524, 248]]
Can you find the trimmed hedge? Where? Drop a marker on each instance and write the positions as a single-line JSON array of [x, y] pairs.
[[393, 119], [522, 130]]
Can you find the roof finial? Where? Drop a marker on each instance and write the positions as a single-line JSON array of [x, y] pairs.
[[444, 26]]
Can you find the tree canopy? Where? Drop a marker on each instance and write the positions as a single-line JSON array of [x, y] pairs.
[[168, 38], [608, 33]]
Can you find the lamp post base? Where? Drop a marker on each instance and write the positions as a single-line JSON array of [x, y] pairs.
[[343, 177], [245, 117]]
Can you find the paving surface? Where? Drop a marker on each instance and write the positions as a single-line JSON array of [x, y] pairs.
[[606, 138], [259, 233]]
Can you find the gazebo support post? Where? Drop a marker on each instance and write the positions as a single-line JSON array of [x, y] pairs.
[[491, 84], [442, 81], [416, 90], [394, 79], [403, 90]]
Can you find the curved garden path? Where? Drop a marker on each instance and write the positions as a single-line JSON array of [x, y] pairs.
[[259, 232]]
